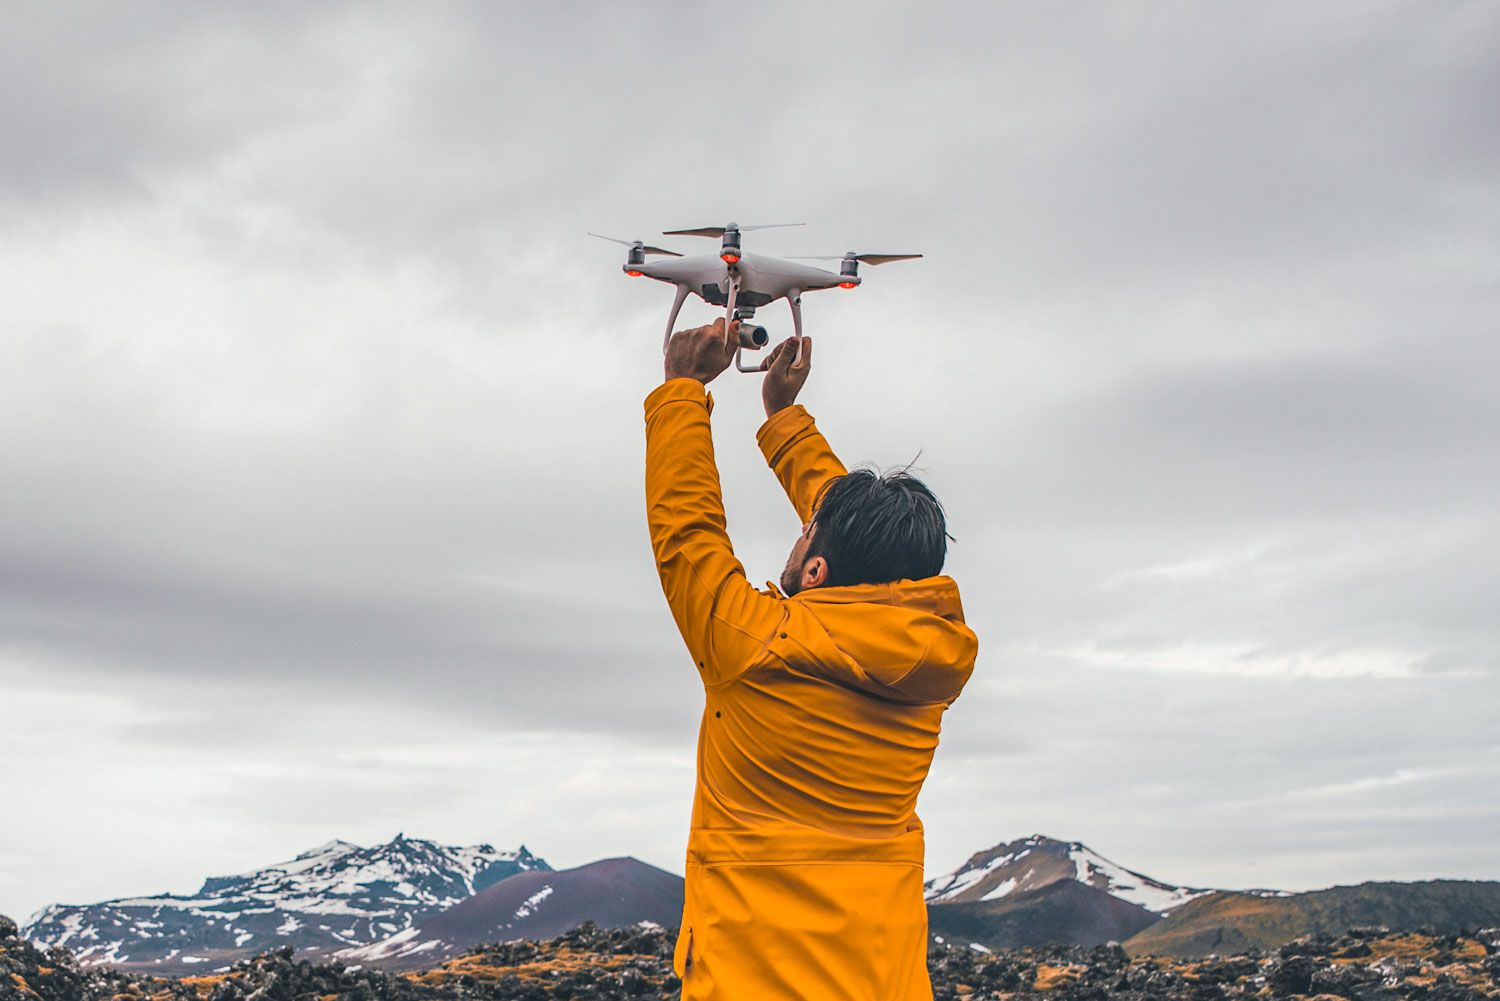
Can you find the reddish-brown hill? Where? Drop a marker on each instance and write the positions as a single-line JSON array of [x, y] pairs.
[[612, 893], [1227, 923]]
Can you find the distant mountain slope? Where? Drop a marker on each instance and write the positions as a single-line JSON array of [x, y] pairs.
[[1063, 911], [612, 893], [1226, 923], [329, 898], [1039, 861]]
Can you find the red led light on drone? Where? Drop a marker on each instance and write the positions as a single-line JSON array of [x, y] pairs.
[[729, 258], [846, 284], [634, 274]]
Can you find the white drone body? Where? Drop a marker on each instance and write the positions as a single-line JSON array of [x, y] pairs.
[[742, 282]]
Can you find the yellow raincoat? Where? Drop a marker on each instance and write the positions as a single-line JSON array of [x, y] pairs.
[[804, 864]]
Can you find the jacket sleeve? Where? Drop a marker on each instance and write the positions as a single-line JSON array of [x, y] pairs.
[[799, 456], [726, 623]]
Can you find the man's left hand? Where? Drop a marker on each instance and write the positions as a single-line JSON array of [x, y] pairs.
[[701, 353]]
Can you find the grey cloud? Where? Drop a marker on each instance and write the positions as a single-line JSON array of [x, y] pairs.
[[1405, 430], [1314, 782], [101, 98], [496, 653]]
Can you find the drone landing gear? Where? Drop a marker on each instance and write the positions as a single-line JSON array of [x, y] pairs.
[[682, 294], [794, 300], [729, 314], [752, 336]]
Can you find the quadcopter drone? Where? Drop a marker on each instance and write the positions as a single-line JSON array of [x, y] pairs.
[[742, 282]]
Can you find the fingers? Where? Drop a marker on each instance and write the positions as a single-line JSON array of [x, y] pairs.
[[729, 338], [775, 358], [695, 333], [711, 329], [713, 332], [783, 358]]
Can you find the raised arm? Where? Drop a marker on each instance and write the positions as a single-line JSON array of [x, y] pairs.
[[794, 448], [725, 622]]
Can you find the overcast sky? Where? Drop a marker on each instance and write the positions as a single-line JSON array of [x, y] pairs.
[[321, 445]]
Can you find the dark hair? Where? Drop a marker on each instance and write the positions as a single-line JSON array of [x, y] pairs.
[[873, 528]]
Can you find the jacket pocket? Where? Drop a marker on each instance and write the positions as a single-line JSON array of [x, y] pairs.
[[682, 958]]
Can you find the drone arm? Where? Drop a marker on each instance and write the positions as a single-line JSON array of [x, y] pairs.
[[682, 294]]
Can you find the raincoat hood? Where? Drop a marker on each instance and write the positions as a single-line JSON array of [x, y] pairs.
[[905, 641]]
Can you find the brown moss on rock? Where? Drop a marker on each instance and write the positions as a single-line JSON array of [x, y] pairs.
[[589, 964]]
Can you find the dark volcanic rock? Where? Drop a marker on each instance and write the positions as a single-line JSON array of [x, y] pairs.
[[592, 964], [1292, 975]]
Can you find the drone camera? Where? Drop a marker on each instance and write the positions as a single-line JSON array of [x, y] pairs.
[[753, 336]]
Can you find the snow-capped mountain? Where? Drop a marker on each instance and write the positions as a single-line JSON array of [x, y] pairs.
[[1038, 861], [332, 897]]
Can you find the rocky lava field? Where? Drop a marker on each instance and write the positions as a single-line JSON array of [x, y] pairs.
[[588, 964]]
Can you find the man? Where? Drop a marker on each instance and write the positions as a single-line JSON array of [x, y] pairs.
[[804, 865]]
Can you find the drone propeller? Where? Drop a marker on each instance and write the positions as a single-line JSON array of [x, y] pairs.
[[862, 258], [634, 244], [721, 230]]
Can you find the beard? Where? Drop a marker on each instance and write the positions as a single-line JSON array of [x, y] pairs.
[[791, 577]]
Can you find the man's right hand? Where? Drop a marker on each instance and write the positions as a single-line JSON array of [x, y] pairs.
[[701, 353], [783, 379]]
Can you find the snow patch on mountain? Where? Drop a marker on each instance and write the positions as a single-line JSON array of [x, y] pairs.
[[964, 878], [526, 909], [1003, 890], [1153, 895]]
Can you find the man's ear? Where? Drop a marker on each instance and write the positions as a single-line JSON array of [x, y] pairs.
[[814, 573]]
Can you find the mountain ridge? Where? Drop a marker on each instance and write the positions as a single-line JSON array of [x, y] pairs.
[[328, 898], [413, 901], [1231, 922], [1038, 861]]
